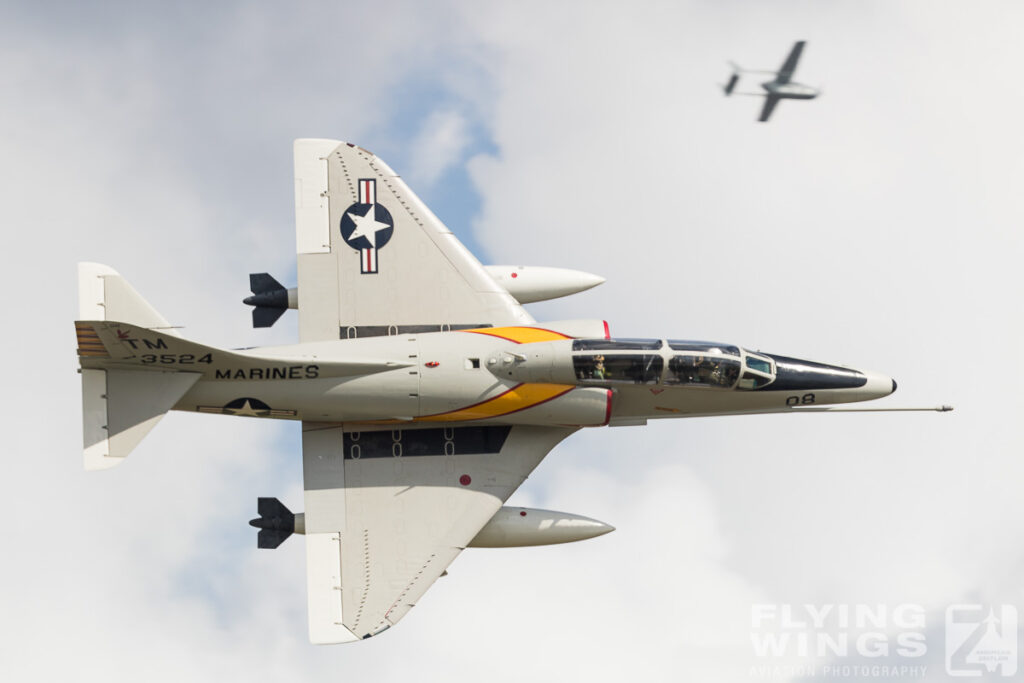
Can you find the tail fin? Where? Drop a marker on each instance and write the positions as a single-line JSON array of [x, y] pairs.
[[119, 405]]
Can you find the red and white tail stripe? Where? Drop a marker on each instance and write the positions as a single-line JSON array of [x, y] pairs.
[[368, 195], [367, 191], [368, 260]]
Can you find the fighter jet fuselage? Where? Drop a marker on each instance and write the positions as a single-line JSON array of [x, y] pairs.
[[514, 375]]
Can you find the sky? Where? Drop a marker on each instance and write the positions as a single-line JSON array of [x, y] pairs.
[[877, 226]]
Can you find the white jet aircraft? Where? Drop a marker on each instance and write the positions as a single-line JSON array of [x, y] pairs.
[[427, 394]]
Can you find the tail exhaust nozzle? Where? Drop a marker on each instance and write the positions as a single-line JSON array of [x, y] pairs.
[[270, 299], [276, 523]]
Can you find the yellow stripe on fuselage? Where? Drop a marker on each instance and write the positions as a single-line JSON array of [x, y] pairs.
[[515, 399], [521, 335]]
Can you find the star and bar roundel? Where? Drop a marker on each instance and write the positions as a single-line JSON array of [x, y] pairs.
[[367, 226]]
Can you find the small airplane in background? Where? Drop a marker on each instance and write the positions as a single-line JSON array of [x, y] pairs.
[[779, 89]]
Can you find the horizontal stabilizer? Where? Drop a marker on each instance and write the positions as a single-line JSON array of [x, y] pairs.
[[119, 407], [104, 295], [733, 80]]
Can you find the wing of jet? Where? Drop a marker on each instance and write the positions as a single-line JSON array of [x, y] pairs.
[[789, 66], [374, 260], [769, 106], [381, 529]]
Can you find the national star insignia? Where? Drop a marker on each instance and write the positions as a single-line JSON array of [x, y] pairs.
[[367, 226], [247, 409]]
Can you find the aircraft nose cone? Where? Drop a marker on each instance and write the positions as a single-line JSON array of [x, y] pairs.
[[878, 385], [249, 300]]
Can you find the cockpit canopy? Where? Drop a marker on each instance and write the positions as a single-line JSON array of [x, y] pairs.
[[670, 362], [635, 368], [710, 371]]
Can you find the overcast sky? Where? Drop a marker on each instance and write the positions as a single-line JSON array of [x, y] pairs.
[[877, 226]]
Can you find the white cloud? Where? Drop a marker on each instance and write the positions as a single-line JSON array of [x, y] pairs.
[[440, 144]]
